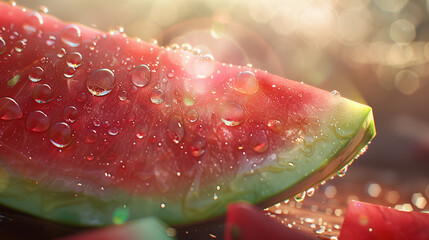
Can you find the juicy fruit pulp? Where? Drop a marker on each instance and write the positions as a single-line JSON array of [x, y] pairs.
[[98, 128]]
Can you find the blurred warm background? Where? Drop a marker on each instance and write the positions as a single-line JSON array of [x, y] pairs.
[[372, 51]]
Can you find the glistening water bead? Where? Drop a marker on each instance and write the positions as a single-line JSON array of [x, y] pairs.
[[37, 121], [32, 22], [232, 114], [42, 93], [60, 135], [71, 36], [246, 83], [35, 74], [140, 75], [9, 109], [2, 46], [101, 82]]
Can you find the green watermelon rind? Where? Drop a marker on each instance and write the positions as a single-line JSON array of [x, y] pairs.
[[345, 129]]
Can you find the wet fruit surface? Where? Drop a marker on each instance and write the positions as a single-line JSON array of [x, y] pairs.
[[90, 119]]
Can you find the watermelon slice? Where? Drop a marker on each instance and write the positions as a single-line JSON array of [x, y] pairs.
[[369, 221], [246, 222], [97, 128]]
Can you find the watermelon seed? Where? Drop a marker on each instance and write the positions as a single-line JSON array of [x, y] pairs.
[[140, 76], [35, 74], [71, 36], [42, 93], [33, 22], [74, 59], [9, 109], [2, 46], [61, 135], [157, 96], [101, 82], [13, 81], [246, 83], [37, 121]]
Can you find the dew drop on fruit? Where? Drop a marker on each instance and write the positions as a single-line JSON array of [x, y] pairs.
[[335, 93], [310, 192], [113, 131], [232, 114], [91, 136], [37, 121], [69, 72], [122, 95], [74, 59], [71, 35], [300, 196], [9, 109], [192, 115], [198, 147], [140, 75], [276, 125], [32, 22], [175, 129], [141, 130], [35, 74], [204, 66], [101, 82], [42, 93], [246, 83], [258, 141], [20, 45], [70, 114], [2, 46], [157, 96], [343, 171], [81, 97], [60, 135]]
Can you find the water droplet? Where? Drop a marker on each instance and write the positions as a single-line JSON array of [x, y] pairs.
[[198, 147], [122, 95], [91, 136], [300, 197], [74, 59], [232, 114], [44, 9], [71, 35], [101, 82], [2, 46], [60, 135], [35, 74], [163, 205], [335, 93], [50, 42], [141, 130], [42, 93], [275, 125], [170, 74], [113, 131], [9, 109], [96, 122], [61, 53], [70, 114], [69, 71], [140, 75], [343, 171], [37, 121], [157, 96], [20, 45], [246, 83], [32, 22], [81, 97], [258, 141], [175, 130], [310, 192], [192, 115], [204, 66]]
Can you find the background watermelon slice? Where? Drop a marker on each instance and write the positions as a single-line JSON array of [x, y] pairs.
[[96, 126]]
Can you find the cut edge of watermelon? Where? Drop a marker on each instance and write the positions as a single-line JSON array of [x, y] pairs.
[[270, 185]]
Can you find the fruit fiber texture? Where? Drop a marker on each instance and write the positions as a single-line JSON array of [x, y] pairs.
[[373, 222], [97, 128]]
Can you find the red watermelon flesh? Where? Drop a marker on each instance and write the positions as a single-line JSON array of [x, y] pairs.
[[369, 221], [93, 122]]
